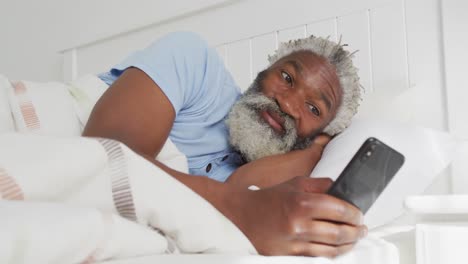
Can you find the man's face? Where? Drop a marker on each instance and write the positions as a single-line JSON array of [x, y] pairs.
[[286, 106]]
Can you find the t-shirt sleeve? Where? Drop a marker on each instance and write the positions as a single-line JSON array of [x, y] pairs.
[[180, 63]]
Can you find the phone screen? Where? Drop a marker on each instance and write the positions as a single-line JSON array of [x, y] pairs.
[[367, 174]]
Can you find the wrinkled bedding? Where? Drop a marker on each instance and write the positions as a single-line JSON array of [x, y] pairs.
[[69, 199]]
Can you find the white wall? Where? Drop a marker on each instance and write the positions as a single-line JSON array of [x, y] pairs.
[[28, 30], [33, 32], [455, 30]]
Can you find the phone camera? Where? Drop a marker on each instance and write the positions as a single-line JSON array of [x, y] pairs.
[[367, 153]]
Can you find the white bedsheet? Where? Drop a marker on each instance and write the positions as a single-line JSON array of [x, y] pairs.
[[369, 250]]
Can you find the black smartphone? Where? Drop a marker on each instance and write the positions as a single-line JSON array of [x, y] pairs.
[[367, 174]]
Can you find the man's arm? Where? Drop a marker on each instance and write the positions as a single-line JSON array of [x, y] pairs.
[[136, 112], [295, 217], [275, 169]]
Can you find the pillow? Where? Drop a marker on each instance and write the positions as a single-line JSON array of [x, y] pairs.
[[43, 108], [427, 152], [86, 91], [6, 120]]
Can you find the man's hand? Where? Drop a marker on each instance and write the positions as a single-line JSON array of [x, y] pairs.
[[298, 218], [320, 142]]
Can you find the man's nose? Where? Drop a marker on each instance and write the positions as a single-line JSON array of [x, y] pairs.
[[289, 102]]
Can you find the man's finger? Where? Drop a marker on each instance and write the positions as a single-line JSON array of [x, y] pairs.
[[323, 250], [322, 140], [330, 233], [328, 208], [317, 185]]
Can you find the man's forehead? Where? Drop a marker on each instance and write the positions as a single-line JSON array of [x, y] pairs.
[[310, 66]]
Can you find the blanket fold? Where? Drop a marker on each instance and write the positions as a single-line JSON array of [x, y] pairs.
[[70, 199], [106, 175]]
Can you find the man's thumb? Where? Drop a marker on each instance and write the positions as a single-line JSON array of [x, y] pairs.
[[322, 140]]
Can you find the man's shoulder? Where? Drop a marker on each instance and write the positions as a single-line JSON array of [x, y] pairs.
[[181, 40]]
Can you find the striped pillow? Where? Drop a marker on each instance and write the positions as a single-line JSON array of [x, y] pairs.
[[43, 108]]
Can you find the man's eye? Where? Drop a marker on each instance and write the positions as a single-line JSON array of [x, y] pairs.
[[313, 109], [286, 77]]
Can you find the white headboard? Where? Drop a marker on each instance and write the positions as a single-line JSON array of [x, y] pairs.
[[399, 42]]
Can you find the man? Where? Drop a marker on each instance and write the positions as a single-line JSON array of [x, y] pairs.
[[178, 88]]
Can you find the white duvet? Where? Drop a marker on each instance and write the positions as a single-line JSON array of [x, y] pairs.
[[68, 199], [75, 189]]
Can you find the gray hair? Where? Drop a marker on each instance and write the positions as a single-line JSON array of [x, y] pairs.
[[347, 74]]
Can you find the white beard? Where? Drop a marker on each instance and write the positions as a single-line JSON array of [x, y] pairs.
[[252, 136]]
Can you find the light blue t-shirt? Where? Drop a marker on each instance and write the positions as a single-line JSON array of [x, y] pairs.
[[201, 90]]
